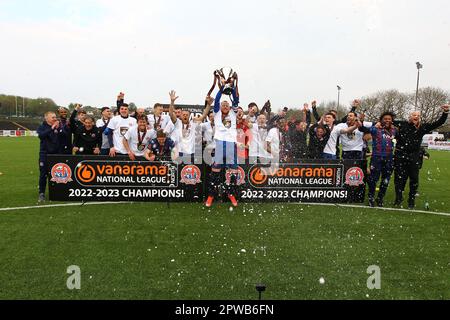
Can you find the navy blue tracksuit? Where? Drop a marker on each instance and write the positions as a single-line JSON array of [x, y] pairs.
[[50, 144]]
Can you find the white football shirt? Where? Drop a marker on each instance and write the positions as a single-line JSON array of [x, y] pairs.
[[120, 126], [133, 140]]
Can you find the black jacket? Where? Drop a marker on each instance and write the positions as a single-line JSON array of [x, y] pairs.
[[88, 140], [298, 142], [65, 143], [409, 138], [316, 145], [50, 139], [75, 124]]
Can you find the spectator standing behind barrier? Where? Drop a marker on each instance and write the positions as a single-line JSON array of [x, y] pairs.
[[407, 153], [65, 144], [118, 127], [50, 135], [88, 138], [102, 124]]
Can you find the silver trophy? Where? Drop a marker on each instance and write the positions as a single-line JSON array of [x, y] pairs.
[[226, 78]]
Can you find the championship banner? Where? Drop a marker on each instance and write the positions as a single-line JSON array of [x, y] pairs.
[[316, 181], [100, 178]]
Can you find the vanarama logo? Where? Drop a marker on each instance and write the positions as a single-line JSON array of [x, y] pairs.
[[190, 175], [258, 176], [295, 176], [85, 173], [61, 173], [123, 173]]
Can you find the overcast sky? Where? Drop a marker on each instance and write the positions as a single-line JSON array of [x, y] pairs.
[[289, 51]]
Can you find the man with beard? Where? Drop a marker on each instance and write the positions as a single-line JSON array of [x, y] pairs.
[[65, 143], [277, 143], [252, 112], [257, 151], [298, 134], [118, 127], [352, 139], [138, 139], [88, 138], [225, 156], [102, 124], [186, 129], [407, 153], [381, 163], [50, 135]]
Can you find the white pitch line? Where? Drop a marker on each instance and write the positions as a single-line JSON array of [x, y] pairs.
[[446, 214], [60, 205]]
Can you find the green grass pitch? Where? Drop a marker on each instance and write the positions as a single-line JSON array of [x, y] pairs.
[[184, 251]]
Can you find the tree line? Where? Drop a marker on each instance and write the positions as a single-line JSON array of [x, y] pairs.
[[429, 101]]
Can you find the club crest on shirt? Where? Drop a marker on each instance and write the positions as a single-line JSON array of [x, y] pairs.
[[227, 122], [123, 131]]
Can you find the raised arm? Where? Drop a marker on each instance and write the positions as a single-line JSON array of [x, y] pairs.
[[217, 101], [312, 129], [208, 102], [307, 116], [427, 127], [120, 99], [314, 111], [173, 98], [350, 129], [44, 131], [72, 121]]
